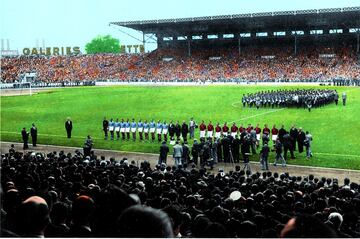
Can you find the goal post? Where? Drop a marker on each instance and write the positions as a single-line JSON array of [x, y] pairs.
[[26, 81], [23, 87]]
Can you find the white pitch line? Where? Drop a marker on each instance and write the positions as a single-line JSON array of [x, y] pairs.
[[253, 116], [342, 155], [234, 104]]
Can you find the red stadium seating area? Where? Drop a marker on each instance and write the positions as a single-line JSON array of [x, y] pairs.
[[254, 64]]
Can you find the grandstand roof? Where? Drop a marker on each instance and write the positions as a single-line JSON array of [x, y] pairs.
[[285, 20]]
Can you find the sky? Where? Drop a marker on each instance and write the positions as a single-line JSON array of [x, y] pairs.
[[75, 22]]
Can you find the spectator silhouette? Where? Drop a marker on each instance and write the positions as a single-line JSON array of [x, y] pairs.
[[141, 221]]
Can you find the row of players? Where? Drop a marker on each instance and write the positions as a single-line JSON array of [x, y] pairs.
[[162, 129]]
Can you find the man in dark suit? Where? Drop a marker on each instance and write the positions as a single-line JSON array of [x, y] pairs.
[[300, 140], [25, 137], [235, 148], [264, 155], [164, 150], [287, 146], [281, 134], [68, 127], [293, 135], [171, 131], [226, 149], [33, 132], [105, 127], [177, 130], [184, 131], [195, 152]]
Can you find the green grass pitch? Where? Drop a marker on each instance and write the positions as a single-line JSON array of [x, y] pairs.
[[336, 129]]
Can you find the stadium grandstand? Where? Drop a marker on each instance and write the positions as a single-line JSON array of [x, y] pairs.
[[191, 161], [310, 45]]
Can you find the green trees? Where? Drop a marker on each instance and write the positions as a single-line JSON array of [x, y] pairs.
[[103, 44]]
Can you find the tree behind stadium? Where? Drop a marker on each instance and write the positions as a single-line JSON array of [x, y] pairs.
[[103, 44]]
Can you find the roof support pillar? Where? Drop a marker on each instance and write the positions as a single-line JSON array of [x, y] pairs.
[[239, 45], [189, 47], [358, 43], [143, 40], [295, 45]]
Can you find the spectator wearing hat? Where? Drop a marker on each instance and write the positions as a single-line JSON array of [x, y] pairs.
[[334, 221]]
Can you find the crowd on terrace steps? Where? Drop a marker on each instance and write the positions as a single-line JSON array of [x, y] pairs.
[[218, 64], [69, 195]]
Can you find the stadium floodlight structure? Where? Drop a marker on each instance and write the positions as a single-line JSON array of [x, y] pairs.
[[288, 26]]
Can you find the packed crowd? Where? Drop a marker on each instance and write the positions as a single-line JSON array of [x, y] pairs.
[[254, 64], [69, 195], [218, 64], [291, 98], [67, 68]]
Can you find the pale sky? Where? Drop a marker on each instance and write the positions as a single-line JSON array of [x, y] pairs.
[[76, 22]]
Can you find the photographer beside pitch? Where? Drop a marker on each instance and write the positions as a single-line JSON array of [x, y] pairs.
[[88, 144]]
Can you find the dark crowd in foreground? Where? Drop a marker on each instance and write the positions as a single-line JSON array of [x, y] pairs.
[[72, 195]]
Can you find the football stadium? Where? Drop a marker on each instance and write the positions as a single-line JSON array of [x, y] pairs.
[[242, 125]]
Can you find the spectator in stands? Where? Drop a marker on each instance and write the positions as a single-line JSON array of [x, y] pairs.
[[32, 217], [254, 64], [193, 203], [141, 222], [58, 226], [305, 226], [82, 211]]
